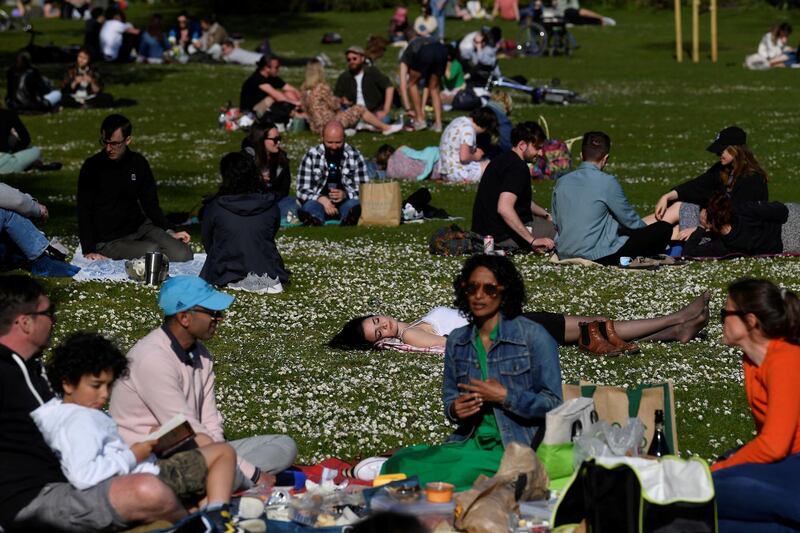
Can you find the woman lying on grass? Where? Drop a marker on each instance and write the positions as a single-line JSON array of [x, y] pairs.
[[501, 376], [757, 486], [366, 332]]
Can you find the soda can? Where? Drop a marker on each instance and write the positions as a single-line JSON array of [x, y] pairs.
[[488, 244]]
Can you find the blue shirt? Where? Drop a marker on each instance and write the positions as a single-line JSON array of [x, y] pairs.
[[589, 207], [524, 359]]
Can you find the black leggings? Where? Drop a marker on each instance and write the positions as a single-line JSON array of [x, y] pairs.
[[649, 240]]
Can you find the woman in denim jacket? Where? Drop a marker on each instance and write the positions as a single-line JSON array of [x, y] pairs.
[[501, 376]]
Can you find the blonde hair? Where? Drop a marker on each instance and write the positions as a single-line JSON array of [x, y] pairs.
[[315, 75], [504, 99]]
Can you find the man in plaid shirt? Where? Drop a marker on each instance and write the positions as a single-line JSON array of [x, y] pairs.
[[329, 178]]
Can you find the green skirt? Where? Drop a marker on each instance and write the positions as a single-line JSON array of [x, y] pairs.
[[459, 463]]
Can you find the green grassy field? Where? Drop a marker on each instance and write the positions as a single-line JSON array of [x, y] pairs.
[[275, 374]]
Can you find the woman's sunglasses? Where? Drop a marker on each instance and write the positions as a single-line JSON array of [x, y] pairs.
[[725, 313], [489, 289]]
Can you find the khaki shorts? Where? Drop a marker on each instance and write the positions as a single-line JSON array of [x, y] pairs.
[[62, 507], [185, 473]]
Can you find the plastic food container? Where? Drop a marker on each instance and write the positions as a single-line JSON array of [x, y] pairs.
[[439, 492]]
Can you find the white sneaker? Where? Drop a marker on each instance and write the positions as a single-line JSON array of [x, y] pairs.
[[325, 60], [392, 129], [608, 21], [258, 284], [420, 125]]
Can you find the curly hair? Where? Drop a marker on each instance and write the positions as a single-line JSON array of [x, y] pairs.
[[507, 276], [351, 336], [84, 353]]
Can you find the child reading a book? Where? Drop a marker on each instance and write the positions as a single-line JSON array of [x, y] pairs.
[[81, 371]]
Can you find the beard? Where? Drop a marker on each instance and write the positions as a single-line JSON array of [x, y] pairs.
[[334, 156]]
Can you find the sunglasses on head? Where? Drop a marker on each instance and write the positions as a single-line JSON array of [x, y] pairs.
[[489, 289], [725, 313]]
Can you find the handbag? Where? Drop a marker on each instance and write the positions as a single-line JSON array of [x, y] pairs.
[[562, 425], [633, 495], [616, 405], [380, 204]]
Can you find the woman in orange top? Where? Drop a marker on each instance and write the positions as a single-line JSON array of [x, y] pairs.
[[757, 487]]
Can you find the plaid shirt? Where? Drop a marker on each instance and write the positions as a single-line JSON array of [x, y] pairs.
[[312, 174]]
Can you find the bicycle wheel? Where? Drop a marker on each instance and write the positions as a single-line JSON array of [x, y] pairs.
[[532, 40]]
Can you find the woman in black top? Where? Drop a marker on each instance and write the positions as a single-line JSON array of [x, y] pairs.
[[751, 228], [81, 86], [737, 174], [238, 226], [265, 142]]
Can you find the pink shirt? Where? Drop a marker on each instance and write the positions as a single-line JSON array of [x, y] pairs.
[[160, 385]]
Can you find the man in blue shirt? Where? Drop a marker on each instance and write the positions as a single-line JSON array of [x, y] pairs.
[[593, 217]]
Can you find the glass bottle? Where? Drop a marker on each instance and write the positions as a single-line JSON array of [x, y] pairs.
[[658, 446]]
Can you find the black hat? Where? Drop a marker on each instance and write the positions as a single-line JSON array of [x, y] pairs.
[[730, 136]]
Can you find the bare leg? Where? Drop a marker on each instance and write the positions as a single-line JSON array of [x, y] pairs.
[[425, 94], [221, 461], [680, 326], [416, 100], [436, 101], [672, 215], [370, 118], [589, 13], [144, 498]]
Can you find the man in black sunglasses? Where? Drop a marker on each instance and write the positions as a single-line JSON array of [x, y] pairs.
[[172, 372], [118, 212], [34, 495]]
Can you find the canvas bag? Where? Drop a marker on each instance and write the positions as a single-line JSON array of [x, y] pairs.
[[617, 405], [562, 425], [380, 204], [632, 495]]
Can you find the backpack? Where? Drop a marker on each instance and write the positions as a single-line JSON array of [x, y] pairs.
[[556, 160], [453, 240]]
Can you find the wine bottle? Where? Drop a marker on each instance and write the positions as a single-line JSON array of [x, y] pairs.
[[658, 446]]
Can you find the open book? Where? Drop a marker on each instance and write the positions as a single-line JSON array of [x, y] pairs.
[[171, 435]]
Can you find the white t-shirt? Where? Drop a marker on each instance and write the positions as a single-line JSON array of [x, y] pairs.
[[768, 48], [111, 37], [444, 320], [359, 90], [240, 56], [459, 131]]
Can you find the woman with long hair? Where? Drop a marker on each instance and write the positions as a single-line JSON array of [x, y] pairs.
[[501, 376], [431, 331], [82, 86], [321, 106], [737, 173], [751, 228], [238, 225], [757, 485], [265, 141]]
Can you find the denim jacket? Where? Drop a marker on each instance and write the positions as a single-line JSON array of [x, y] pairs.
[[524, 359]]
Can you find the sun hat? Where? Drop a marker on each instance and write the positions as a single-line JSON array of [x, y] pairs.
[[730, 136], [355, 49], [180, 293]]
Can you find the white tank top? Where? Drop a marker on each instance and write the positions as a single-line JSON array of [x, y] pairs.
[[444, 320]]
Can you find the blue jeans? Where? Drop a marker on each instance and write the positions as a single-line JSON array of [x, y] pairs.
[[315, 209], [759, 497], [19, 161], [25, 235], [286, 205]]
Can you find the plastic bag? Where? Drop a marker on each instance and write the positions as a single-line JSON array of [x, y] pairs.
[[601, 439]]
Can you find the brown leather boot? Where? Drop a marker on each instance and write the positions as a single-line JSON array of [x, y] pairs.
[[592, 341], [607, 329]]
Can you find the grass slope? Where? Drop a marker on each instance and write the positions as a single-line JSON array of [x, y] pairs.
[[275, 373]]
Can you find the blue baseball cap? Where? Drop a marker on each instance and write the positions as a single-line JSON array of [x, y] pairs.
[[184, 292]]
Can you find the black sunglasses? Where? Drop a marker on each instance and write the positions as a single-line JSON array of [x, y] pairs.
[[275, 139], [215, 315], [50, 312], [489, 289], [725, 313]]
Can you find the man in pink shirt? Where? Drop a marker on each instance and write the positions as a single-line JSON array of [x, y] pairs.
[[172, 372]]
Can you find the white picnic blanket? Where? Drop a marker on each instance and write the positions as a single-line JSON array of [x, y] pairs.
[[114, 270]]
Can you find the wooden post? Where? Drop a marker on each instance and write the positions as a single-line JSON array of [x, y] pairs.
[[696, 31], [713, 9], [678, 32]]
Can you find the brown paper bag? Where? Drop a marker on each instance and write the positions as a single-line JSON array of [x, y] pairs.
[[380, 204], [616, 405]]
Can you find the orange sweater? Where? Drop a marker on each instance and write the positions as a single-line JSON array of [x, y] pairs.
[[773, 392]]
